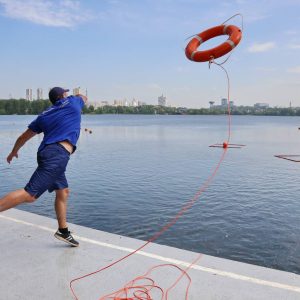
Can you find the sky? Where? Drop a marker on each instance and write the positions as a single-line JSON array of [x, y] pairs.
[[134, 49]]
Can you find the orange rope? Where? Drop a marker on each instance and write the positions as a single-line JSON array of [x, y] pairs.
[[145, 289], [187, 206], [135, 290]]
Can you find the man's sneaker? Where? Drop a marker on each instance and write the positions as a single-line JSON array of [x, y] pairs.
[[67, 237]]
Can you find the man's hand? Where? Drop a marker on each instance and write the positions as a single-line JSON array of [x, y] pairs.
[[84, 98], [11, 156], [22, 139]]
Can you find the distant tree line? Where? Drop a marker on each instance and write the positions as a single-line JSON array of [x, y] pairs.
[[25, 107], [154, 109], [161, 110]]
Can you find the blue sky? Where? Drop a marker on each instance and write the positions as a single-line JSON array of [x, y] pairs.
[[125, 49]]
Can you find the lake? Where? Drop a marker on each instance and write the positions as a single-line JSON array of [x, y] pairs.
[[133, 173]]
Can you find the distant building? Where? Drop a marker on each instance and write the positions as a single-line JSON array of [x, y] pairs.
[[261, 105], [134, 103], [29, 94], [104, 103], [76, 91], [162, 101], [39, 94], [224, 102], [95, 104], [223, 105], [118, 103]]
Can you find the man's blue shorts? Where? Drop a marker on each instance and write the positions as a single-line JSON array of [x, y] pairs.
[[50, 173]]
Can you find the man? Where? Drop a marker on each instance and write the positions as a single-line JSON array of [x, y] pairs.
[[60, 124]]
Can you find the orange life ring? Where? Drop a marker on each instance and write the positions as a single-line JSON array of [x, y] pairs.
[[235, 35]]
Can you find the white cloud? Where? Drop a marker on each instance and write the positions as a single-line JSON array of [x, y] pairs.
[[153, 86], [294, 46], [266, 69], [294, 70], [263, 47], [254, 17], [181, 69], [291, 32], [60, 13]]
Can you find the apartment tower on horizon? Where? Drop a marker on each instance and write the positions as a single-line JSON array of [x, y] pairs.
[[77, 91], [29, 94], [162, 100], [39, 94]]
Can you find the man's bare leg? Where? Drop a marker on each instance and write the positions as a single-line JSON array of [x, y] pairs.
[[61, 202], [15, 198], [63, 232]]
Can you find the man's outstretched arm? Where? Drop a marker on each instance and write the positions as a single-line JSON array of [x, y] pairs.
[[84, 98], [21, 140]]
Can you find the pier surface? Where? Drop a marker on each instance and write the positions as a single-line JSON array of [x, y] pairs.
[[35, 265]]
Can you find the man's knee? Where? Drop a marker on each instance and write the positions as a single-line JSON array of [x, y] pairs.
[[64, 193], [29, 198]]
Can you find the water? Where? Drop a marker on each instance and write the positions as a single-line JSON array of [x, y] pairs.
[[134, 172]]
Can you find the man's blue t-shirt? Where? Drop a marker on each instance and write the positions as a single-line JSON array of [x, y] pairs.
[[60, 122]]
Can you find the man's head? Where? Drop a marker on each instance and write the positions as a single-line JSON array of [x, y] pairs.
[[57, 93]]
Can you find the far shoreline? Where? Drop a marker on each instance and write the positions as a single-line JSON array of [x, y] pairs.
[[26, 107]]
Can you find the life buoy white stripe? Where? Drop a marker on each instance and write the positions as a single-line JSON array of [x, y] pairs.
[[199, 39], [231, 43], [225, 29]]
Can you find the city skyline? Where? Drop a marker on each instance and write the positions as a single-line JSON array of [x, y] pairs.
[[29, 95], [133, 49], [161, 100]]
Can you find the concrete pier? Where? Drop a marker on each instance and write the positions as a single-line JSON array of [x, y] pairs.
[[36, 266]]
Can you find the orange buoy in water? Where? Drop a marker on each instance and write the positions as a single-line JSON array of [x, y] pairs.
[[225, 145]]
